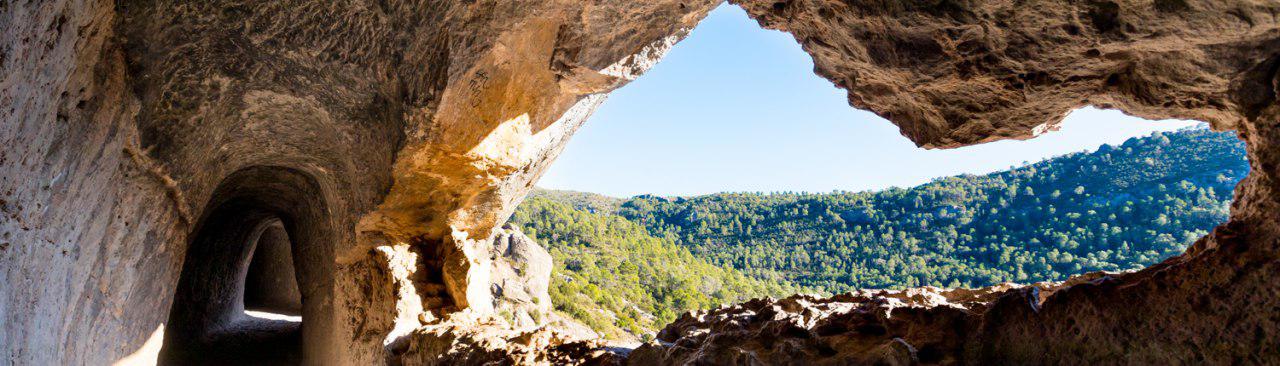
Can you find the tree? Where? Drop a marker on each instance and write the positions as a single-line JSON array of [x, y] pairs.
[[1148, 200]]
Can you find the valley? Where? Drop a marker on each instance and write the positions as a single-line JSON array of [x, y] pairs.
[[631, 265]]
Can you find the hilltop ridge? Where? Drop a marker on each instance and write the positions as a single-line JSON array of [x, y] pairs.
[[1120, 207]]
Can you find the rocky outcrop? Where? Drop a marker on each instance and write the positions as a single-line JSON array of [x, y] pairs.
[[462, 340], [850, 329], [869, 327], [523, 328], [521, 277], [391, 139]]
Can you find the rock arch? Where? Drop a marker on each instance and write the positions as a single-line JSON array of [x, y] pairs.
[[271, 283], [427, 122], [207, 323]]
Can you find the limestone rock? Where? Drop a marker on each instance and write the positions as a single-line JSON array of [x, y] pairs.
[[419, 124], [521, 277], [846, 329], [955, 73], [392, 139], [465, 339], [922, 325]]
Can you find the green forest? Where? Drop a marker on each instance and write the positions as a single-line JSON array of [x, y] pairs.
[[631, 265], [616, 278]]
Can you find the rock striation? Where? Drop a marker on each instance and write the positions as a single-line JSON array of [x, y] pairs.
[[146, 145]]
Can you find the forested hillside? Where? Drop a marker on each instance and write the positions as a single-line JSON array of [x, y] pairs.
[[611, 274], [1118, 208]]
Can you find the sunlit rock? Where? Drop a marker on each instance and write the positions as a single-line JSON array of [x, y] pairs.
[[392, 139]]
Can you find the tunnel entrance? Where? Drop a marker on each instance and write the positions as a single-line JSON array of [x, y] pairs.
[[271, 285], [258, 264]]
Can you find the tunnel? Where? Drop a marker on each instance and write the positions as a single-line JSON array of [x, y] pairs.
[[271, 284], [264, 244]]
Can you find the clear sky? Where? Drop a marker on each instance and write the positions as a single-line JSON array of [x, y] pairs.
[[738, 108]]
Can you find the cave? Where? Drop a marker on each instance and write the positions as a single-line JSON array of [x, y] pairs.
[[271, 284], [239, 287], [146, 145]]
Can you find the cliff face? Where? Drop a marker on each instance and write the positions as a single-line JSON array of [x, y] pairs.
[[147, 143], [390, 138]]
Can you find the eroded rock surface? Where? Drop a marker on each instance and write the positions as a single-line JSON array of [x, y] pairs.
[[953, 73], [851, 329], [869, 327], [461, 340], [409, 130], [521, 277], [419, 124]]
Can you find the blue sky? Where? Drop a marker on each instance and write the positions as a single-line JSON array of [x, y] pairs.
[[738, 108]]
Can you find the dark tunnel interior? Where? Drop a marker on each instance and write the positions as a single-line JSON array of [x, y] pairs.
[[264, 244]]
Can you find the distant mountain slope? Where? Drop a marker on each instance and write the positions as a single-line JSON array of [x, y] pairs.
[[1121, 207], [1118, 208], [612, 275], [590, 202]]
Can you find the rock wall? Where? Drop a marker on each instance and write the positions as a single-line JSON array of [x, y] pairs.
[[409, 130], [419, 124]]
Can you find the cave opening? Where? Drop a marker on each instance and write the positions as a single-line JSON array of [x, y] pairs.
[[775, 182], [271, 285], [258, 264]]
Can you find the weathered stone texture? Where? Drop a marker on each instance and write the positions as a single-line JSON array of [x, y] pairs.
[[416, 126], [421, 124], [951, 73]]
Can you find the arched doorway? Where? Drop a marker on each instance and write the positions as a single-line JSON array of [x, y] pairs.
[[271, 284], [263, 243]]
